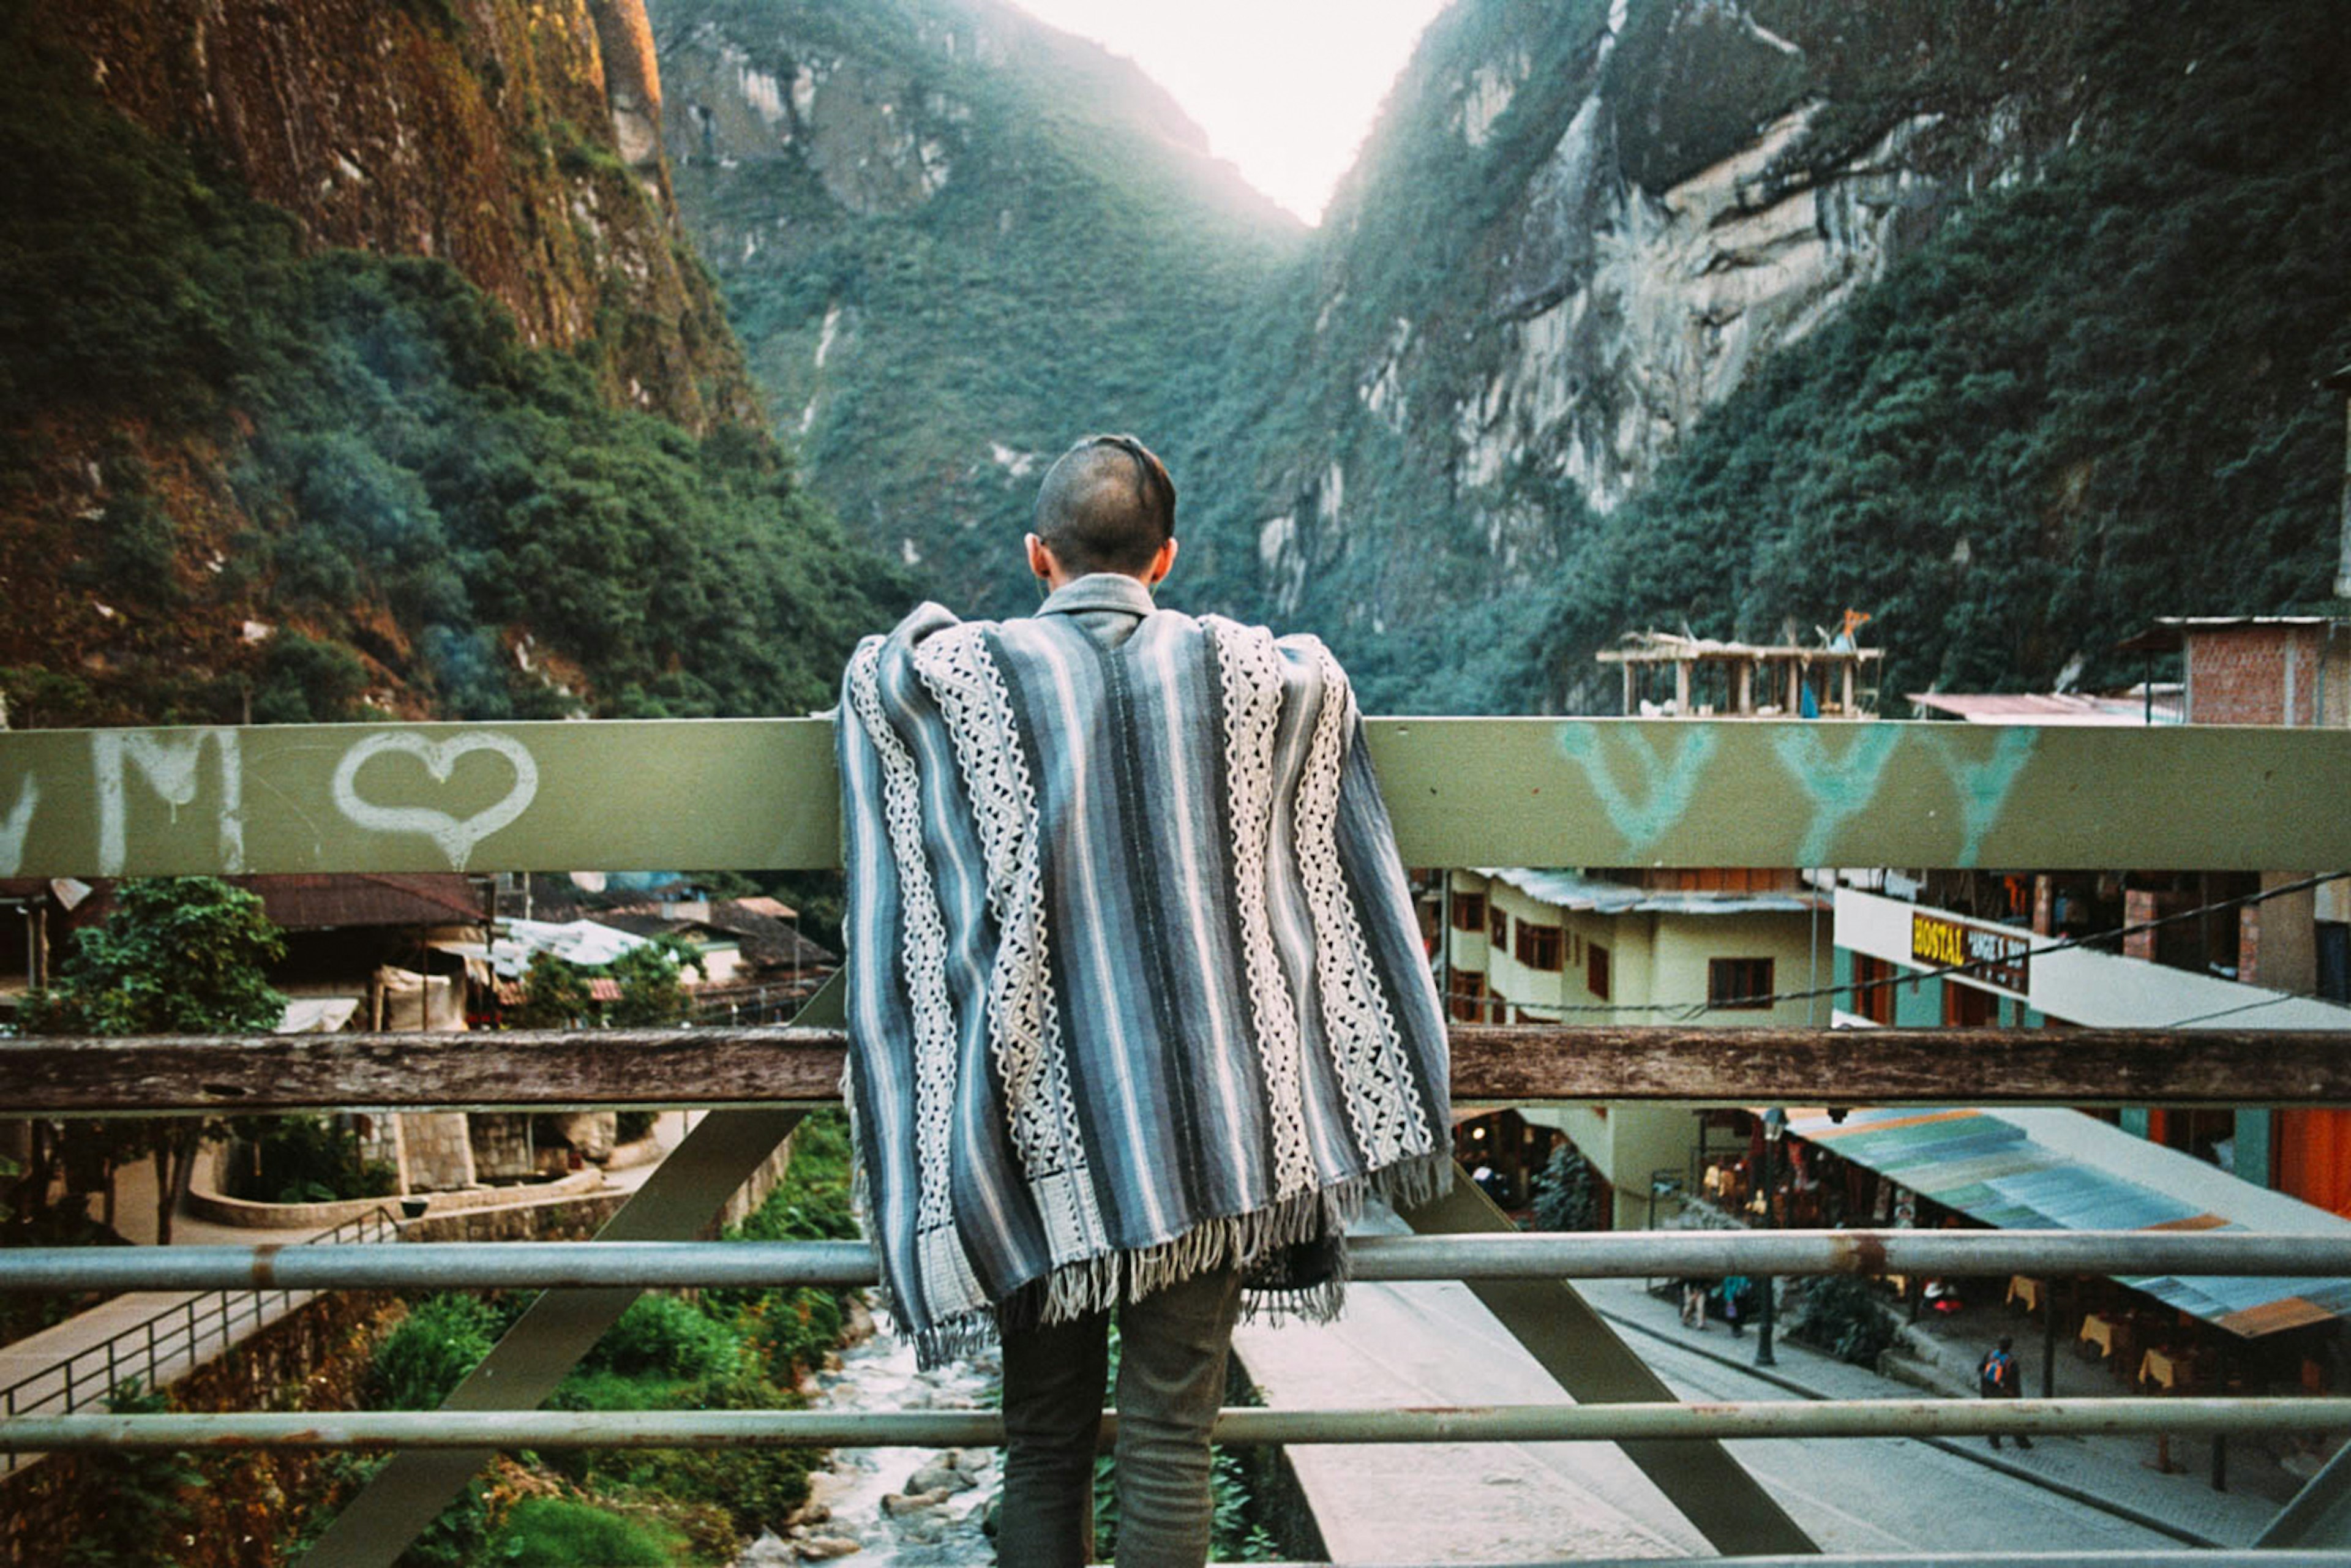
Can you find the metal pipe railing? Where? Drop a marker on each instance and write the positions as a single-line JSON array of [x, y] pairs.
[[1674, 1254], [980, 1428], [181, 1331]]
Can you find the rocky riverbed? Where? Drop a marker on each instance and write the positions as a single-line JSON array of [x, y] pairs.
[[893, 1508]]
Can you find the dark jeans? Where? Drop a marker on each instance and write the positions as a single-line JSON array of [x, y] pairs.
[[1170, 1380]]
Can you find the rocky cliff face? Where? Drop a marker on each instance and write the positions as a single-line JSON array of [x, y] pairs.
[[353, 360], [514, 141], [1577, 230]]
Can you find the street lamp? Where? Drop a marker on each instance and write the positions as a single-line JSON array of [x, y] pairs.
[[1775, 1127]]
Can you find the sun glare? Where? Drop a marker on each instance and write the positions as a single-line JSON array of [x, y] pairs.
[[1285, 89]]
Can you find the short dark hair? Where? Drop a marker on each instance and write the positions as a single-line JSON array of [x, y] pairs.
[[1106, 505]]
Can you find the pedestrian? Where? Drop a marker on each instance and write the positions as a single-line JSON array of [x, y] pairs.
[[1734, 1303], [1138, 1008], [1996, 1378], [1694, 1304]]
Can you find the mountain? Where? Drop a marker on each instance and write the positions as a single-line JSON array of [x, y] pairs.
[[353, 360], [955, 239], [1995, 320]]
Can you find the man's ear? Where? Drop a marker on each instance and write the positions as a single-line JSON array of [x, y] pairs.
[[1161, 564], [1040, 560]]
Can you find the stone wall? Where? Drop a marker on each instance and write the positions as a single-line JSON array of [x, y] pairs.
[[502, 1145], [311, 1359], [437, 1152]]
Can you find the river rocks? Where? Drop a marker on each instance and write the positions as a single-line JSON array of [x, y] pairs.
[[769, 1551], [822, 1548], [897, 1504], [941, 1479]]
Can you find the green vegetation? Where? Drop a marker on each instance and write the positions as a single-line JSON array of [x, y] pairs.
[[719, 1350], [147, 1501], [555, 1533], [186, 955], [1080, 268], [2086, 398], [423, 506], [304, 1159], [555, 993], [431, 1351], [1839, 1314], [1566, 1191]]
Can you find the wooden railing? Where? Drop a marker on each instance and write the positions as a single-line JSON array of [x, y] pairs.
[[751, 794]]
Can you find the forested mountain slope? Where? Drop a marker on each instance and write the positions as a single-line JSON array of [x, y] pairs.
[[1996, 320], [353, 360], [954, 240]]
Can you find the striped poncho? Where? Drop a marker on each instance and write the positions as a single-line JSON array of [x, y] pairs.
[[1136, 987]]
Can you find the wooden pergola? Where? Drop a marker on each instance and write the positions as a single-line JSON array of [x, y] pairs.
[[1758, 680]]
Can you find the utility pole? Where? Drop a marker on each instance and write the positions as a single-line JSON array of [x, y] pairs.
[[1775, 1127]]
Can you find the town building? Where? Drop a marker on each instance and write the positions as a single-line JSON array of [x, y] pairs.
[[1714, 948]]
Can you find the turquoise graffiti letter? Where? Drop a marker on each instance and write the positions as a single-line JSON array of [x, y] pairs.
[[1665, 787], [1840, 785]]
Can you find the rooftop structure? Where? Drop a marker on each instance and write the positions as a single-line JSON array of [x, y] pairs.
[[1715, 679]]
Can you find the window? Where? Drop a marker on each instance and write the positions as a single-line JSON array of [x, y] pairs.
[[1469, 998], [1468, 911], [1965, 1006], [1498, 928], [1873, 988], [1539, 945], [1595, 970], [1738, 983]]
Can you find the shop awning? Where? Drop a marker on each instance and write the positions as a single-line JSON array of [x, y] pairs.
[[2061, 1170]]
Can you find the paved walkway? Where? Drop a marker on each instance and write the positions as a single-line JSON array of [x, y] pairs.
[[159, 1336], [1434, 1344], [2113, 1473]]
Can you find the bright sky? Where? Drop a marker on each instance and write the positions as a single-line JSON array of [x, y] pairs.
[[1285, 89]]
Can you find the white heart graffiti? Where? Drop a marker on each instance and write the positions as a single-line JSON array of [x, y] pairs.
[[455, 836]]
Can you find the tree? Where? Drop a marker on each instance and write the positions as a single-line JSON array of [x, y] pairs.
[[652, 991], [175, 955], [554, 994], [1566, 1193]]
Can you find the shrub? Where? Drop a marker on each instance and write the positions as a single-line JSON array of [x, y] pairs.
[[557, 1533], [664, 1335], [146, 1494], [440, 1340], [307, 1159], [1566, 1192], [1838, 1314]]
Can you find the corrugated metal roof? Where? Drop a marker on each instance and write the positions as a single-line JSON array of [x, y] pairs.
[[2061, 1170], [2045, 707], [318, 901], [1573, 890]]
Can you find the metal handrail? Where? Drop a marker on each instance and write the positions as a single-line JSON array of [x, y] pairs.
[[1628, 1422], [179, 1329], [1599, 1255]]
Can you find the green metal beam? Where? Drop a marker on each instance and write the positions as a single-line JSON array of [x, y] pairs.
[[1577, 1348], [682, 1197], [751, 793]]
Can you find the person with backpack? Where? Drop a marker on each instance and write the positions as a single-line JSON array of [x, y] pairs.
[[1996, 1378]]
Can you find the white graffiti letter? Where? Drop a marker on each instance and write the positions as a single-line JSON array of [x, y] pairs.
[[170, 766], [455, 837]]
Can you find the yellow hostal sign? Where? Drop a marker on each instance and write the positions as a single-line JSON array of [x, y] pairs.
[[1997, 957]]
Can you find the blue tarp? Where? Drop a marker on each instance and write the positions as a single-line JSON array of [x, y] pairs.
[[1993, 1169]]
